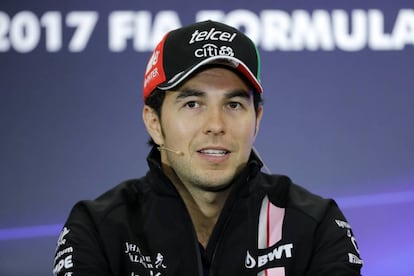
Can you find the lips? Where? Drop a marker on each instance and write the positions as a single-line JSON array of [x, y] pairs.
[[214, 152]]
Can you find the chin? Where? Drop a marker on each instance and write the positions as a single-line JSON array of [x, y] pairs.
[[214, 184], [217, 188]]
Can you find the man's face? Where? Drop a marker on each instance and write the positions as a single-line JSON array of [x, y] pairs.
[[211, 119]]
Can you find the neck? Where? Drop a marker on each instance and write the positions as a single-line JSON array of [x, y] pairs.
[[203, 206], [204, 209]]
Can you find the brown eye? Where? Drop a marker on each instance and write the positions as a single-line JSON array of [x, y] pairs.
[[234, 105], [192, 104]]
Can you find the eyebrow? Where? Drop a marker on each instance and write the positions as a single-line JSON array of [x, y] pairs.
[[239, 93], [181, 94]]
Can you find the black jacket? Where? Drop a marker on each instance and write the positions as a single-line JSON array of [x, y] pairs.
[[142, 228]]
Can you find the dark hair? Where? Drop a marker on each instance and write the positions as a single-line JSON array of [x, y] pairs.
[[156, 99]]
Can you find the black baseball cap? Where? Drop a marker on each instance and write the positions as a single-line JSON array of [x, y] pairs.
[[183, 51]]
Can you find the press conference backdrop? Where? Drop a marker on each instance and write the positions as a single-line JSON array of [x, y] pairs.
[[338, 83]]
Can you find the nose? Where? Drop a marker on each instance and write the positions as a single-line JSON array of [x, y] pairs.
[[215, 122]]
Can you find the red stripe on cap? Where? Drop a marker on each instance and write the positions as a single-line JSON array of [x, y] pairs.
[[155, 74], [253, 80]]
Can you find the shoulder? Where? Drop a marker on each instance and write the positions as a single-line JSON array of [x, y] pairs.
[[318, 222], [309, 203], [121, 196], [283, 192], [92, 226]]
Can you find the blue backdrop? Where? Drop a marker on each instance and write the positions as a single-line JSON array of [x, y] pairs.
[[339, 110]]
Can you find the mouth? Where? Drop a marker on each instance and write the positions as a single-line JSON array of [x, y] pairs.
[[214, 152]]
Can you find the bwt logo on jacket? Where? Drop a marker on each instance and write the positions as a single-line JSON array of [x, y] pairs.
[[283, 251]]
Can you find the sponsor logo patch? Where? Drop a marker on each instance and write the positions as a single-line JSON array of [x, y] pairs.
[[283, 251]]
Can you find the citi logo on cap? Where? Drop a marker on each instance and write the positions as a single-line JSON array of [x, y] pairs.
[[211, 50], [212, 34]]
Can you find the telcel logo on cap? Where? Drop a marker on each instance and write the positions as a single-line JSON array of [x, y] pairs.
[[212, 34]]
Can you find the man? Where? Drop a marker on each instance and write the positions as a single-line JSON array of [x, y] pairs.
[[204, 207]]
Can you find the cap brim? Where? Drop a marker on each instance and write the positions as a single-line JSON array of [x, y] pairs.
[[219, 60]]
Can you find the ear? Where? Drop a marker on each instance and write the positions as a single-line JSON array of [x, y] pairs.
[[258, 118], [153, 124]]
